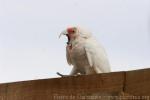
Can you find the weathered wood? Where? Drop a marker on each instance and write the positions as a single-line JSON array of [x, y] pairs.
[[3, 91], [105, 86], [138, 82]]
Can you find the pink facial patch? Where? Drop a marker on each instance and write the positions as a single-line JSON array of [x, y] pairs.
[[70, 30]]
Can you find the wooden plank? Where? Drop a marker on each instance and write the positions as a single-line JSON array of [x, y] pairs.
[[100, 84], [3, 91], [133, 83], [138, 82]]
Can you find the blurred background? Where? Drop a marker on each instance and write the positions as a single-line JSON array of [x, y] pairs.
[[29, 30]]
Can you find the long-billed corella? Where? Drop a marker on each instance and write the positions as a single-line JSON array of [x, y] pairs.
[[84, 53]]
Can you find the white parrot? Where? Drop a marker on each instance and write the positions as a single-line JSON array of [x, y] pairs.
[[84, 53]]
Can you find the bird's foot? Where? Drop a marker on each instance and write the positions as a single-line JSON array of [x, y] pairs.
[[78, 74]]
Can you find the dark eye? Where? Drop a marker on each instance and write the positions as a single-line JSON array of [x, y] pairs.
[[73, 31]]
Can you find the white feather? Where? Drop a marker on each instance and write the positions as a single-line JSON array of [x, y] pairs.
[[96, 56], [87, 56]]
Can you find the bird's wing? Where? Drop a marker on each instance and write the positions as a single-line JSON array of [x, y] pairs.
[[96, 56], [68, 57]]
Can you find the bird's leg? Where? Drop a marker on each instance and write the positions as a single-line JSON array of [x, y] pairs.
[[74, 71]]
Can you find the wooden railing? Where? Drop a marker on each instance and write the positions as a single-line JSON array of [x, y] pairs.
[[128, 85]]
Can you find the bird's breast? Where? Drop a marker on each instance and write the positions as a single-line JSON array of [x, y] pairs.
[[77, 55]]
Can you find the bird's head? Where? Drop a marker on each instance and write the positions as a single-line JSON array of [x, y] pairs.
[[73, 33]]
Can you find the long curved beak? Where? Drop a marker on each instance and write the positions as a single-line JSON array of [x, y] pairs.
[[63, 33]]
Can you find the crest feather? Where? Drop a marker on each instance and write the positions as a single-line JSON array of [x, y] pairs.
[[84, 33]]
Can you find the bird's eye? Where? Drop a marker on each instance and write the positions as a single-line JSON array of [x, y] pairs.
[[71, 30], [74, 30]]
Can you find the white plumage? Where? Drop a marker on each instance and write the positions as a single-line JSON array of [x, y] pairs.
[[84, 53]]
